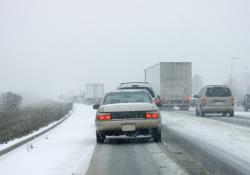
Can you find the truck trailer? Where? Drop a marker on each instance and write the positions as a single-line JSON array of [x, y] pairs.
[[94, 93], [172, 82]]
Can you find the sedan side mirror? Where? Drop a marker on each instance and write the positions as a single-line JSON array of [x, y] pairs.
[[96, 106]]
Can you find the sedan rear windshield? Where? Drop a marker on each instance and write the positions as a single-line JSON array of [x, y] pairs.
[[127, 97], [218, 92], [143, 88]]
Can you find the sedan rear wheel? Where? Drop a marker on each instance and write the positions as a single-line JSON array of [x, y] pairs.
[[100, 137], [156, 135]]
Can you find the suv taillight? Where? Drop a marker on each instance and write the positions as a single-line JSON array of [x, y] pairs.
[[232, 100], [103, 116], [152, 115], [203, 100]]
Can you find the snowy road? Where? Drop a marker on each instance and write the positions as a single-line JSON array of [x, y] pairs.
[[191, 145], [225, 140], [241, 118], [129, 156], [210, 145]]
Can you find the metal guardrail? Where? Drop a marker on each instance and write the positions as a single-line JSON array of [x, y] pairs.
[[12, 147]]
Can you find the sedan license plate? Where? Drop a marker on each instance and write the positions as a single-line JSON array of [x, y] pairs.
[[128, 127]]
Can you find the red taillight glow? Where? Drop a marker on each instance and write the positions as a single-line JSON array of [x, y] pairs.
[[104, 117], [152, 115], [232, 100], [157, 101], [188, 98], [203, 100]]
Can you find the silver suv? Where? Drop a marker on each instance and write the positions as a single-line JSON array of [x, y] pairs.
[[127, 112], [214, 99]]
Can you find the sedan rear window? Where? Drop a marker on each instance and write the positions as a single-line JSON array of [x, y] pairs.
[[127, 97], [218, 92]]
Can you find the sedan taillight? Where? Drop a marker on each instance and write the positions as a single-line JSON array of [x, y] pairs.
[[104, 116], [152, 115]]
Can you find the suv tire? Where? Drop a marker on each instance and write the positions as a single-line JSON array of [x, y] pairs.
[[231, 113], [224, 114], [245, 108], [203, 114]]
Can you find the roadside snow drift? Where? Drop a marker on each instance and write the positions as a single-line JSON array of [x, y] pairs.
[[64, 150]]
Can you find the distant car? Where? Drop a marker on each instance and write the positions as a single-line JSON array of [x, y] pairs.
[[141, 85], [214, 99], [127, 112], [246, 102]]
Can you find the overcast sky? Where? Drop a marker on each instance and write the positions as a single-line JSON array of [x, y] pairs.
[[56, 46]]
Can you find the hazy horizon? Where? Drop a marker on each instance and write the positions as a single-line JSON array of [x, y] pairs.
[[48, 48]]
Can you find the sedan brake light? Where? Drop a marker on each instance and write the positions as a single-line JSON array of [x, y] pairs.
[[104, 116], [152, 115]]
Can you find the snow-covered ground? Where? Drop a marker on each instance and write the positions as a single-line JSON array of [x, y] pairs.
[[241, 113], [230, 138], [67, 149]]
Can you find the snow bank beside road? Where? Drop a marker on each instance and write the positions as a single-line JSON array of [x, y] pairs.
[[61, 151], [233, 139]]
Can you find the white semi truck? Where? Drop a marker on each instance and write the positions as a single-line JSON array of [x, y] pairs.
[[172, 82], [94, 92]]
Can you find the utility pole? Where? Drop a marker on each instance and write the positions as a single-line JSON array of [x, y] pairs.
[[246, 74], [232, 66]]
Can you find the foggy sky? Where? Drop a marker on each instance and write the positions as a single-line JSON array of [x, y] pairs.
[[49, 47]]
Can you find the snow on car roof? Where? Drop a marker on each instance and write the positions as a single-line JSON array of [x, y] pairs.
[[129, 90], [216, 86], [136, 84]]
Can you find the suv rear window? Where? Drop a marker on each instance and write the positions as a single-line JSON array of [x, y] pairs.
[[139, 87], [218, 92]]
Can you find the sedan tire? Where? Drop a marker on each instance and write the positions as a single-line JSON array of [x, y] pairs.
[[100, 137], [156, 135]]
